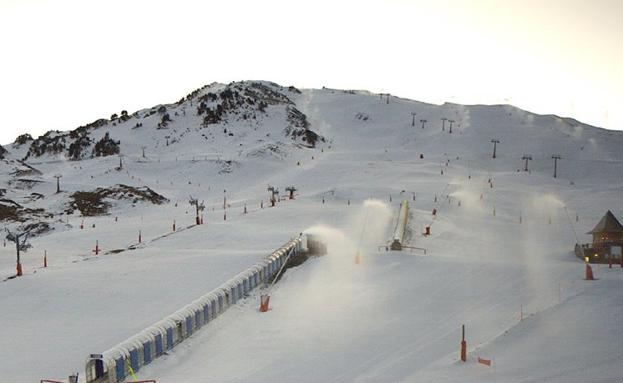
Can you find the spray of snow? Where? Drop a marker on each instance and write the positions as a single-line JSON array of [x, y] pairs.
[[370, 226], [577, 131], [304, 103], [545, 205], [528, 119], [592, 142], [464, 118], [367, 229], [340, 248], [545, 221], [470, 199], [336, 285]]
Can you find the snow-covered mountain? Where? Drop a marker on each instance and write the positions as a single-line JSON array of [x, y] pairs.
[[215, 115], [502, 237], [231, 126]]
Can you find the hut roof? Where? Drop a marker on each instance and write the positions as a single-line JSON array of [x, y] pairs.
[[608, 224]]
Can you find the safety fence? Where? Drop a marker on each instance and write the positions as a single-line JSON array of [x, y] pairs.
[[126, 358]]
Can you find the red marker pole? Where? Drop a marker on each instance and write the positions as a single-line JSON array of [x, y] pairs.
[[45, 258], [173, 225], [140, 237], [463, 346]]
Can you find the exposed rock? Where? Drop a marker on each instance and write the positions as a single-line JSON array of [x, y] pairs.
[[298, 128], [99, 201]]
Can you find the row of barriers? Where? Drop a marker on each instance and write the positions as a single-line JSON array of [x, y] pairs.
[[129, 356]]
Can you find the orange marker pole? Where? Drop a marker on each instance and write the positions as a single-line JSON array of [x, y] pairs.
[[486, 362], [589, 273], [463, 346], [264, 302]]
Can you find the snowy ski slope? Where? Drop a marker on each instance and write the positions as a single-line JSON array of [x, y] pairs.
[[394, 317]]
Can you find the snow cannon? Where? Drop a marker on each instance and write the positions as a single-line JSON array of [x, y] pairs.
[[313, 245], [397, 241]]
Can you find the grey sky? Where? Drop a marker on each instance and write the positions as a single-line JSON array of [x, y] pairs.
[[68, 62]]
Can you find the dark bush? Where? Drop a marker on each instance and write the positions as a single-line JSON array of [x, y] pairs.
[[106, 147]]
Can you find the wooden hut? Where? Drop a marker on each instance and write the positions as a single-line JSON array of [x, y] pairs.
[[607, 241]]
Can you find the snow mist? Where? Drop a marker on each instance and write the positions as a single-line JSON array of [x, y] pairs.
[[333, 290], [370, 226]]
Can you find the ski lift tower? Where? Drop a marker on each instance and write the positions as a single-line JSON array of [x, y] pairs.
[[199, 207], [58, 183], [291, 190], [273, 193]]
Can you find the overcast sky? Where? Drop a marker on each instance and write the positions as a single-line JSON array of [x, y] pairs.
[[65, 63]]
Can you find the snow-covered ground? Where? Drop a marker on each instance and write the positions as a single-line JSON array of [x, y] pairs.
[[394, 317]]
